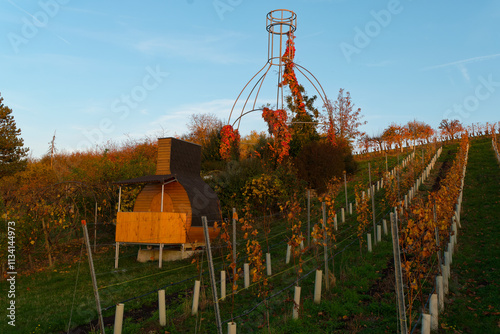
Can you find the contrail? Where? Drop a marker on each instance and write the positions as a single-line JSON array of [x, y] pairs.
[[462, 62]]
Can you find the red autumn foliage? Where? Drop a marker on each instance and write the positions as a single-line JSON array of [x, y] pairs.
[[276, 120], [289, 77], [229, 142]]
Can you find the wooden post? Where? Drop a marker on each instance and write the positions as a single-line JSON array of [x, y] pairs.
[[95, 228], [373, 203], [234, 244], [47, 244], [162, 192], [120, 199], [325, 239], [160, 256], [92, 273], [117, 254], [309, 217], [399, 276], [345, 186], [212, 275]]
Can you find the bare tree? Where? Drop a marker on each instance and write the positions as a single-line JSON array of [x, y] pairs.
[[450, 128], [342, 120], [201, 126]]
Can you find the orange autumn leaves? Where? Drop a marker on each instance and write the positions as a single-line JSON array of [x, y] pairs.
[[230, 142], [276, 119], [289, 77]]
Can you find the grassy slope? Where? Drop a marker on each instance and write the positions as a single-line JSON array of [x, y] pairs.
[[357, 303], [474, 301], [44, 299]]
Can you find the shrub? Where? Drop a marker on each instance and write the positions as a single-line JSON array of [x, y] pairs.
[[318, 163]]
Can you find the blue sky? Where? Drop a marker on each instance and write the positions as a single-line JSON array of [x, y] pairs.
[[110, 70]]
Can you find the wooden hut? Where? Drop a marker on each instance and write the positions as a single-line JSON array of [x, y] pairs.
[[169, 208]]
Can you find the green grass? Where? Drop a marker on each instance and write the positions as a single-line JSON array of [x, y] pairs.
[[473, 304], [361, 301]]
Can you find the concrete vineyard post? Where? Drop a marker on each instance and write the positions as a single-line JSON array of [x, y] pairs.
[[223, 285], [231, 328], [426, 323], [268, 264], [317, 286], [246, 270], [296, 301], [440, 292], [434, 312], [161, 307], [118, 319], [196, 297]]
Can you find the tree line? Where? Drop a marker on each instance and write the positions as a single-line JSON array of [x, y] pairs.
[[415, 132]]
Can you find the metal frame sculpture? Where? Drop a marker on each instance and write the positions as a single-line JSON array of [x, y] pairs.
[[281, 25]]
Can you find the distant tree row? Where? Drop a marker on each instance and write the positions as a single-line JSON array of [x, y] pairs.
[[415, 132]]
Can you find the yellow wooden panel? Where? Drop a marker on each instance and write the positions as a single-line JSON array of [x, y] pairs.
[[151, 227]]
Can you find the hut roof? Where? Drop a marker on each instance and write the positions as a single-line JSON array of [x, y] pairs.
[[148, 179]]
